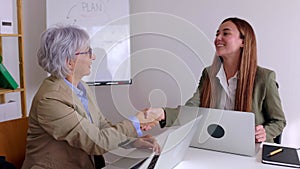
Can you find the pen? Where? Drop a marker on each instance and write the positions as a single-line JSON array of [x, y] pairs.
[[275, 152], [112, 83]]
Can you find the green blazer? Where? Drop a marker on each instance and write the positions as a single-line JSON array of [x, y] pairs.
[[61, 136], [266, 103]]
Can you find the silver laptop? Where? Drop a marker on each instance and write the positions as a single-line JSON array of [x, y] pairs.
[[223, 130], [174, 148]]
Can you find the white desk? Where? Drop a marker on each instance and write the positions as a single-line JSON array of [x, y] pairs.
[[206, 159]]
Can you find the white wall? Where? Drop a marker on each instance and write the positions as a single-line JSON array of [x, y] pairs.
[[34, 22], [172, 42]]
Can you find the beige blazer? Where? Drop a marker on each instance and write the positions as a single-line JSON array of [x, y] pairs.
[[266, 103], [61, 137]]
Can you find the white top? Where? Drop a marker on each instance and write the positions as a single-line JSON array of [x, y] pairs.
[[227, 100]]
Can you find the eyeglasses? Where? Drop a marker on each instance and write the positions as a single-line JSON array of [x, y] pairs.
[[90, 52]]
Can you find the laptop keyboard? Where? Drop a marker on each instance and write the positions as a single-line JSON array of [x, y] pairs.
[[151, 165], [153, 162]]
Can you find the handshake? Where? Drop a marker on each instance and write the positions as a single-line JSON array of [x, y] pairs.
[[150, 117]]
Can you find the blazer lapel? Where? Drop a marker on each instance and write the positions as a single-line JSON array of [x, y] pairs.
[[76, 102]]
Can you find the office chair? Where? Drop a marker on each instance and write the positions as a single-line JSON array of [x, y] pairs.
[[277, 139]]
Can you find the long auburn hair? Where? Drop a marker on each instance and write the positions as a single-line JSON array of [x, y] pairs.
[[246, 72]]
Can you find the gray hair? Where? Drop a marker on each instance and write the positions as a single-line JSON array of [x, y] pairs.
[[59, 44]]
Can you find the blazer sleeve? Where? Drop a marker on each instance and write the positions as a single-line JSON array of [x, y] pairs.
[[274, 119], [195, 100], [63, 119]]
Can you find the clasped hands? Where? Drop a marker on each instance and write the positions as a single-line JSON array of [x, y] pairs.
[[150, 117]]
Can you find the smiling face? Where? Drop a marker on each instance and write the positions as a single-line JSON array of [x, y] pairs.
[[228, 42]]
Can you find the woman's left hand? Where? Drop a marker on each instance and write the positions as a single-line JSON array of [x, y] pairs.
[[260, 134]]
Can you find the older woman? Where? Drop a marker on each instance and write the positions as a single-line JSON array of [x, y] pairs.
[[235, 82], [66, 128]]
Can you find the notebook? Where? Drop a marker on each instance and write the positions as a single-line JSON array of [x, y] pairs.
[[173, 150], [286, 156], [223, 130]]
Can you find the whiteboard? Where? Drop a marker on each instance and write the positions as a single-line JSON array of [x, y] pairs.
[[107, 22]]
